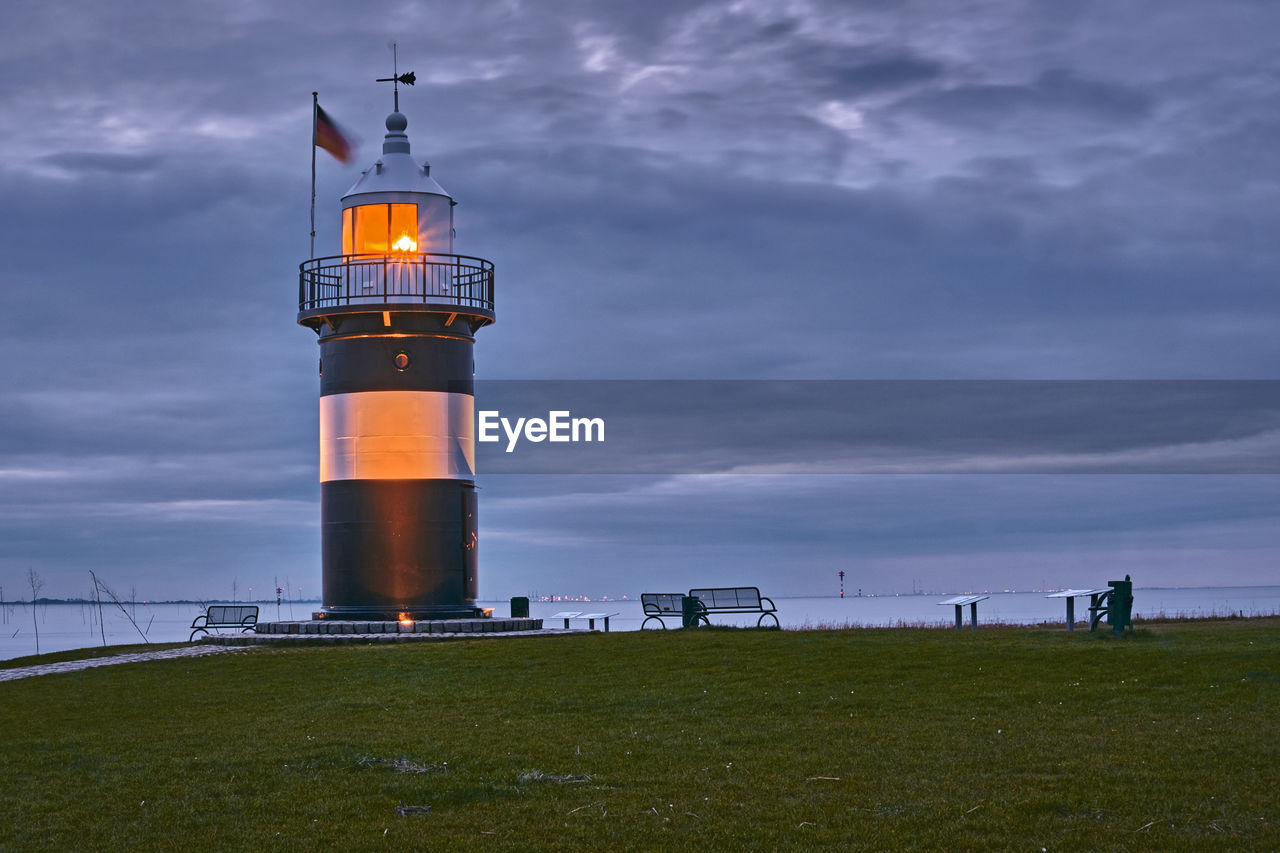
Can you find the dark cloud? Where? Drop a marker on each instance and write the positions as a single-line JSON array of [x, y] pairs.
[[1055, 93], [1065, 90], [669, 190], [951, 533], [96, 161], [843, 72], [778, 29], [916, 427]]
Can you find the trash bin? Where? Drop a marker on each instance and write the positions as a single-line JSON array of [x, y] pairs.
[[520, 607], [691, 608], [1120, 609]]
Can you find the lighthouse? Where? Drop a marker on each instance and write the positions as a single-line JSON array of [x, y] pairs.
[[396, 314]]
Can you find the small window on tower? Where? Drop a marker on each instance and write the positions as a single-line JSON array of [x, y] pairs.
[[404, 227], [371, 228], [379, 228]]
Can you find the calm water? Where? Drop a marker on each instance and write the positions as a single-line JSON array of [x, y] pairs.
[[73, 626]]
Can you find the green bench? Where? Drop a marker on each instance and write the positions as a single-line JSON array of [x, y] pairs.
[[242, 616], [734, 599], [657, 605]]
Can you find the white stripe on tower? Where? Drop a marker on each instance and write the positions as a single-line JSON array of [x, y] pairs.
[[397, 435]]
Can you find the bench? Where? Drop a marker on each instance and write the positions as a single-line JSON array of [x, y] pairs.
[[242, 616], [741, 599], [735, 599], [590, 617], [659, 604]]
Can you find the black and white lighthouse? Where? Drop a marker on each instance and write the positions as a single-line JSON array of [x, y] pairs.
[[396, 314]]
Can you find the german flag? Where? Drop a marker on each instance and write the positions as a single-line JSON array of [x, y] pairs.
[[331, 138]]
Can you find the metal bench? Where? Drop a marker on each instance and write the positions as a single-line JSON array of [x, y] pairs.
[[736, 599], [590, 617], [659, 604], [242, 616]]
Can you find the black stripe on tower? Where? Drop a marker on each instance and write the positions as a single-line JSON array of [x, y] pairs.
[[369, 363], [399, 546]]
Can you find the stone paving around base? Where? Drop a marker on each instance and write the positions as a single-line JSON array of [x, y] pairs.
[[335, 632], [411, 626], [77, 665], [244, 640]]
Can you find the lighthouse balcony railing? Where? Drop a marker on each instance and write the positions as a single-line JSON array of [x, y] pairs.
[[429, 278]]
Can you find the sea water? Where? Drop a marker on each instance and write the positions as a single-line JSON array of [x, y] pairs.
[[73, 626]]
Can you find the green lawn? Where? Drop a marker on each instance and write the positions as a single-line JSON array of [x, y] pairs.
[[1011, 738]]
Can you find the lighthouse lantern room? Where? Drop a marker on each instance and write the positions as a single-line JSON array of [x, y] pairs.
[[397, 206]]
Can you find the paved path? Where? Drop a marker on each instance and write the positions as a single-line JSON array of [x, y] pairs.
[[77, 665]]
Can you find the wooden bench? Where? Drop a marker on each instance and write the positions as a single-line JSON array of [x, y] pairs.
[[242, 616], [735, 599]]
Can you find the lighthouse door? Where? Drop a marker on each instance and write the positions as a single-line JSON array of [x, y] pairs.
[[470, 540]]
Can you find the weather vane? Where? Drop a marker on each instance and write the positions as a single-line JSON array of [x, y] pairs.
[[408, 78]]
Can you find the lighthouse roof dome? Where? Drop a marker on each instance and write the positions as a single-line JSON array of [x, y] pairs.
[[395, 171]]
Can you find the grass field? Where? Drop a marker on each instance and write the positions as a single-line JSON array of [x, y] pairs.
[[1016, 738]]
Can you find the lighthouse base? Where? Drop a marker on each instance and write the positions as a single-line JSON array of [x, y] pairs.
[[364, 614], [343, 632], [398, 627]]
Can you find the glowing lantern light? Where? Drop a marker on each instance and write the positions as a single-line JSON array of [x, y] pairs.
[[405, 244]]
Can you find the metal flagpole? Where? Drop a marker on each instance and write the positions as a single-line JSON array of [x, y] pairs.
[[315, 108]]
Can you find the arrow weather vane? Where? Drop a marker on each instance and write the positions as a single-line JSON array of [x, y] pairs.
[[408, 78]]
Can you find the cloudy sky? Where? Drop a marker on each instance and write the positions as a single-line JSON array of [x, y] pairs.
[[747, 190]]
